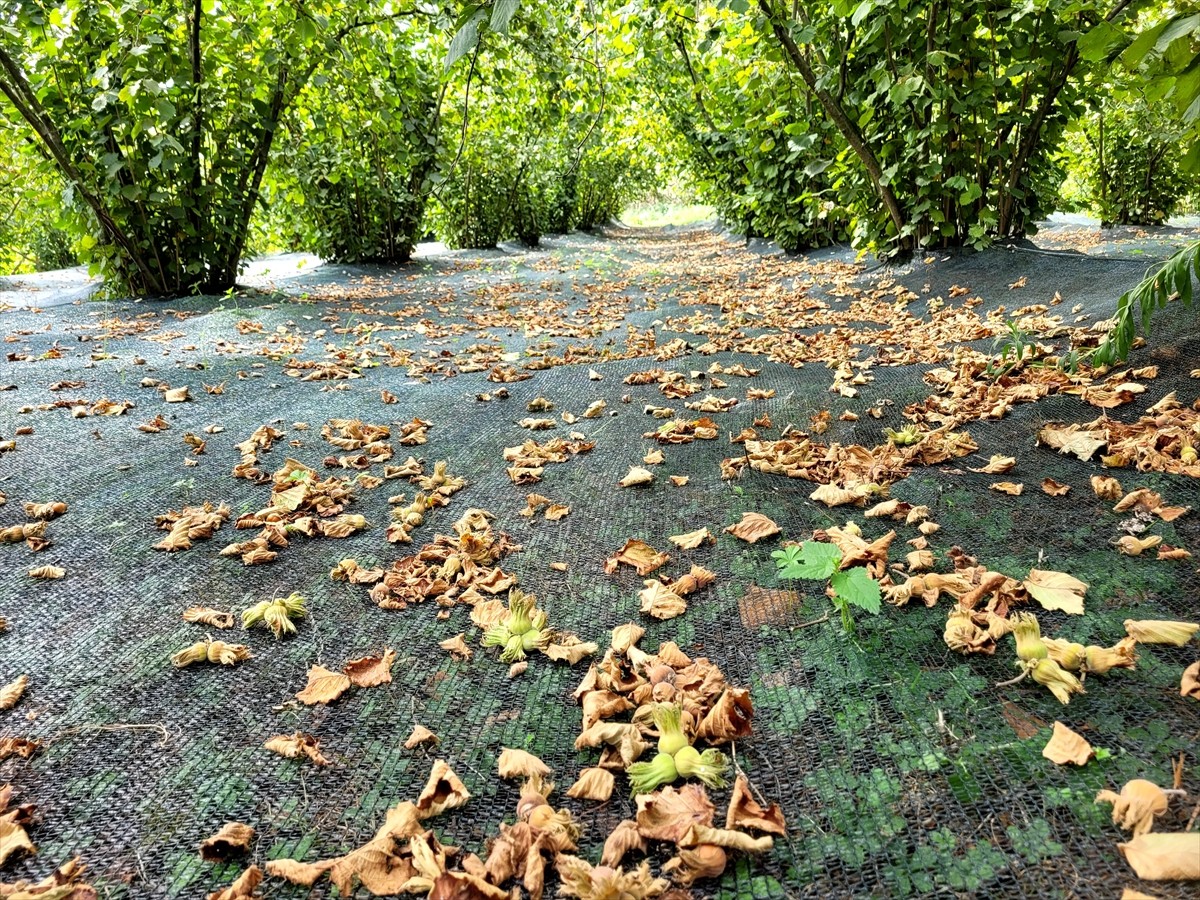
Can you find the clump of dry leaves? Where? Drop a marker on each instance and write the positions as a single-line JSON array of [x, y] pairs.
[[301, 504]]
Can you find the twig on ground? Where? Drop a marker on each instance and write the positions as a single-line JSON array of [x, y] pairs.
[[116, 726], [824, 618]]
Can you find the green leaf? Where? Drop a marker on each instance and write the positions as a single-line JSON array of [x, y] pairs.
[[1142, 44], [462, 43], [502, 13], [857, 587], [864, 9], [1101, 41], [813, 560]]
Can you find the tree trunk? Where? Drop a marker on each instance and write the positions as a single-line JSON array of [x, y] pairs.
[[843, 122]]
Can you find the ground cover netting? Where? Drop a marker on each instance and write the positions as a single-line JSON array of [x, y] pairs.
[[900, 769]]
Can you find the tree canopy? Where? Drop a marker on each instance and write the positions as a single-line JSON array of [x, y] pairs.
[[175, 138]]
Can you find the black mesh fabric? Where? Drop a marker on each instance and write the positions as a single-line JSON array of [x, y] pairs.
[[900, 769]]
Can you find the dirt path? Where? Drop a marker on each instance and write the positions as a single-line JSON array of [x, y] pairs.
[[899, 768]]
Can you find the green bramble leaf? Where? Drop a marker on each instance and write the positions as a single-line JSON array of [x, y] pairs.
[[811, 559], [855, 586]]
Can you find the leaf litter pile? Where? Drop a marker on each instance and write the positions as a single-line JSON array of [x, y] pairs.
[[458, 582]]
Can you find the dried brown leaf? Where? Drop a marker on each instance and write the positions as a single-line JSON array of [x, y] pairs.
[[1056, 590], [233, 839], [1164, 857], [636, 476], [11, 693], [296, 745], [746, 813], [692, 539], [516, 763], [324, 686], [1007, 487], [753, 527], [371, 671], [637, 553], [1066, 746], [1055, 488], [444, 790], [457, 646], [420, 735], [997, 465], [1189, 684], [593, 783]]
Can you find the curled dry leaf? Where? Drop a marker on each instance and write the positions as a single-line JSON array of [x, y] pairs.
[[668, 814], [624, 737], [244, 887], [1007, 487], [176, 395], [323, 686], [1154, 631], [192, 523], [350, 571], [13, 837], [204, 615], [515, 763], [659, 601], [1054, 488], [371, 671], [730, 717], [1066, 746], [679, 480], [568, 648], [626, 636], [593, 783], [654, 457], [920, 560], [637, 553], [692, 539], [1189, 684], [997, 465], [1136, 806], [444, 790], [64, 883], [1131, 545], [1076, 440], [457, 646], [12, 692], [50, 573], [695, 863], [620, 841], [745, 813], [1164, 857], [518, 668], [1151, 502], [296, 745], [232, 840], [753, 527], [582, 880], [636, 476], [420, 735], [18, 746], [1107, 488], [1167, 552], [723, 837]]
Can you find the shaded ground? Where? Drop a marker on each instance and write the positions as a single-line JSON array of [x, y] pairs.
[[900, 769]]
